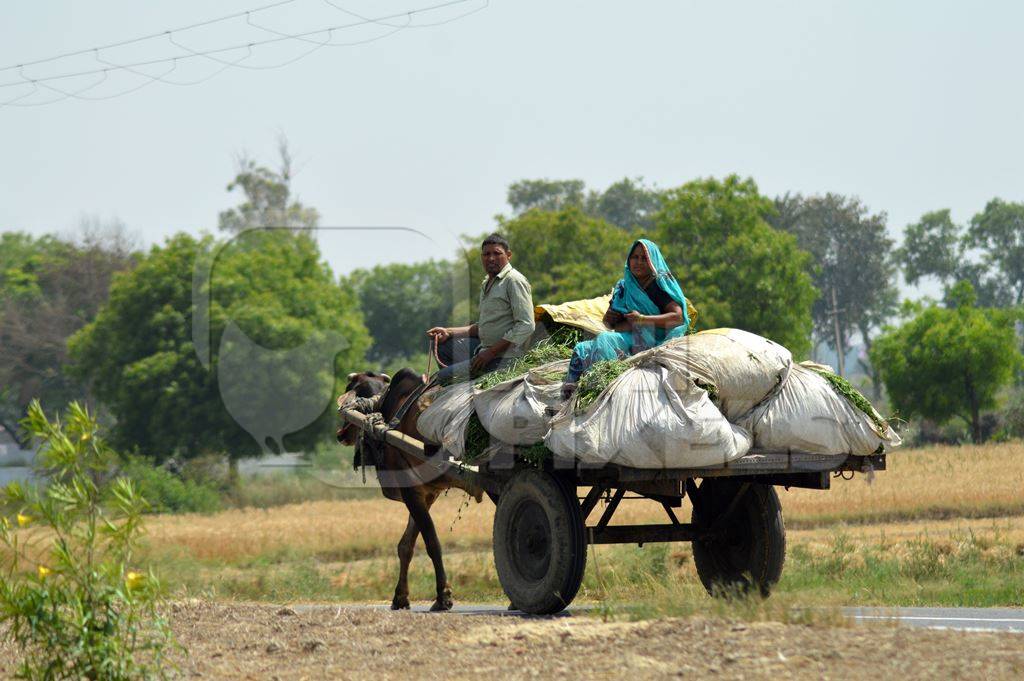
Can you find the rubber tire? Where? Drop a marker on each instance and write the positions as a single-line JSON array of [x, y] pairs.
[[540, 549], [753, 549]]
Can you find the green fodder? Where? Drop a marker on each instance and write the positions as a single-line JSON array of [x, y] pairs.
[[541, 354], [535, 454], [710, 388], [846, 389], [596, 379], [477, 439]]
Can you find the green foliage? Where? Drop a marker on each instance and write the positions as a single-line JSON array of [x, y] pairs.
[[998, 231], [477, 438], [76, 609], [166, 492], [400, 302], [537, 356], [988, 253], [627, 204], [548, 195], [931, 248], [417, 362], [565, 254], [846, 389], [268, 198], [851, 255], [595, 379], [738, 271], [23, 261], [140, 357], [945, 363], [1013, 415], [49, 288]]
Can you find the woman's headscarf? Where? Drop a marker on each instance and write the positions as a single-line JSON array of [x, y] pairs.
[[628, 295]]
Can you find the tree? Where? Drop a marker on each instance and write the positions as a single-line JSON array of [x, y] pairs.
[[627, 204], [400, 302], [736, 268], [948, 362], [282, 332], [50, 288], [268, 199], [850, 258], [565, 254], [931, 248], [544, 195], [998, 231], [988, 254]]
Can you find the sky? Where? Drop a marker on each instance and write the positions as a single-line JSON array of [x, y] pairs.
[[910, 106]]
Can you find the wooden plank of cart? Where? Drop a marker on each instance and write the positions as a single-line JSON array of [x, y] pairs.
[[542, 525]]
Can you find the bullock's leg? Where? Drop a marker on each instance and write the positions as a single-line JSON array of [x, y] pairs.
[[419, 510], [406, 546]]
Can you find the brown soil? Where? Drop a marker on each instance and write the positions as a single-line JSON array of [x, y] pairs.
[[240, 641]]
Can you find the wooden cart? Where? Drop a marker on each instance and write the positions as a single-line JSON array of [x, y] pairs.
[[542, 524]]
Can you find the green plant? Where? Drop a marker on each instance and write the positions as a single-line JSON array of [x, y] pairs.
[[595, 379], [854, 397], [543, 353], [166, 492], [477, 438], [69, 597]]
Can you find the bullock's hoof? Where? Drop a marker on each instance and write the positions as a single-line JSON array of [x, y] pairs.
[[400, 602], [443, 603]]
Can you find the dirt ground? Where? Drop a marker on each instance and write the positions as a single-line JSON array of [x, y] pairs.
[[230, 641]]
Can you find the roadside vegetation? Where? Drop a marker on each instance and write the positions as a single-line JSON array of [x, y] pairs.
[[942, 526]]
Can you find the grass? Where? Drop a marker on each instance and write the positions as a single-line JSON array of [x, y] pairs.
[[846, 389], [541, 354], [595, 379], [943, 526], [963, 566], [477, 438]]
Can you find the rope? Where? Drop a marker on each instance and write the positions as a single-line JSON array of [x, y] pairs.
[[437, 357]]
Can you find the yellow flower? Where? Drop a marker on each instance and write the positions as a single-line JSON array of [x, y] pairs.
[[134, 579], [85, 437], [44, 571], [24, 520]]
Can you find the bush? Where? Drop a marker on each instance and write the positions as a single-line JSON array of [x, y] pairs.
[[69, 597], [1014, 414], [169, 493]]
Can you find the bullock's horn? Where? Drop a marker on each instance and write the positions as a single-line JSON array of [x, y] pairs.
[[352, 375], [387, 379]]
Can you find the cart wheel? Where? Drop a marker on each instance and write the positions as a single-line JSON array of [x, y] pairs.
[[751, 546], [540, 548]]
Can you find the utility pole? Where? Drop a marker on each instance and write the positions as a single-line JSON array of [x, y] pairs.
[[835, 324]]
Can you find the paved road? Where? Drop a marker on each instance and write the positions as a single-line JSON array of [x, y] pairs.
[[962, 619]]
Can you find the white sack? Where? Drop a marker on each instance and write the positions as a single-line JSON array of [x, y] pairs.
[[744, 368], [808, 415], [649, 417], [444, 421], [514, 412]]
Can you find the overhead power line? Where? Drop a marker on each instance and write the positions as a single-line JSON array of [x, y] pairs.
[[131, 41], [218, 55]]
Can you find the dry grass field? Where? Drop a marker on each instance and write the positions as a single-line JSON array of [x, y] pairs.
[[936, 520], [942, 482]]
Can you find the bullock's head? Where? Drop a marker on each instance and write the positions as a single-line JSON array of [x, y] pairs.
[[360, 384]]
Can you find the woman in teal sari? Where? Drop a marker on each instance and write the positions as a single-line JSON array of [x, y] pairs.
[[647, 308]]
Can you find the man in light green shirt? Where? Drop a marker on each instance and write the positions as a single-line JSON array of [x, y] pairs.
[[506, 318]]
